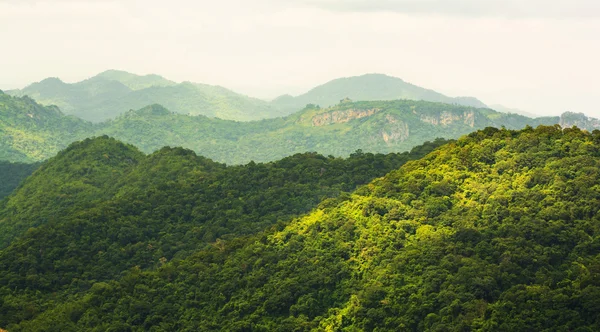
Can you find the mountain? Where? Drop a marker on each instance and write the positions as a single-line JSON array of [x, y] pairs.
[[580, 120], [375, 126], [100, 208], [112, 92], [367, 87], [133, 81], [31, 132], [82, 172], [497, 231]]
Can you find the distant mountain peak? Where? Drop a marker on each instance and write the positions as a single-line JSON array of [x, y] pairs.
[[50, 81], [368, 87], [133, 81]]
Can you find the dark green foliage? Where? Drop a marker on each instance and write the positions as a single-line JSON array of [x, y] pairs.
[[12, 174], [76, 179], [101, 208], [497, 231]]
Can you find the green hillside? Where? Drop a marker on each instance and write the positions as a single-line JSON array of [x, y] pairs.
[[367, 87], [497, 231], [113, 92], [386, 126], [31, 132], [100, 207], [375, 126]]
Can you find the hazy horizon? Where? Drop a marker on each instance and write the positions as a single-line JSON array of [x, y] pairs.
[[539, 57]]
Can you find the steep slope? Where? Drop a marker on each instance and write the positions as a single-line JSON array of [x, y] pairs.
[[12, 174], [112, 92], [31, 132], [367, 87], [496, 232]]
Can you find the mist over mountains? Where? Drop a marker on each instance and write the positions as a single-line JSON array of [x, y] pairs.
[[113, 92], [366, 203]]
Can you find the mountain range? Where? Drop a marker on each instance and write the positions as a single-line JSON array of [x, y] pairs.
[[111, 93], [496, 231], [32, 132]]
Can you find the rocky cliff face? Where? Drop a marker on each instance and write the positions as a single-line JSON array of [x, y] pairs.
[[569, 119], [341, 116], [396, 130], [446, 118]]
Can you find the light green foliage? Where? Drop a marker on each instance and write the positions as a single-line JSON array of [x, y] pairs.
[[31, 132], [497, 231]]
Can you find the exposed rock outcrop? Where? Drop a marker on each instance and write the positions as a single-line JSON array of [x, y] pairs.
[[341, 116], [580, 120], [396, 131], [446, 118]]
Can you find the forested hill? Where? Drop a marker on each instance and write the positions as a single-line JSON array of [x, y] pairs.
[[498, 231], [31, 132], [99, 170], [367, 87], [113, 92], [376, 126], [101, 207]]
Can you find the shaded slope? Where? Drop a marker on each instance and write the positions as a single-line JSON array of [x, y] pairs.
[[12, 174], [496, 232]]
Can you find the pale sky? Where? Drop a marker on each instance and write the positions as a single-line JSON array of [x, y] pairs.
[[540, 56]]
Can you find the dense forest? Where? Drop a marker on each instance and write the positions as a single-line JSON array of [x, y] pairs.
[[12, 174], [101, 207], [32, 132], [497, 231]]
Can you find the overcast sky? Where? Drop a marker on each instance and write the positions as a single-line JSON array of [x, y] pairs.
[[541, 56]]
